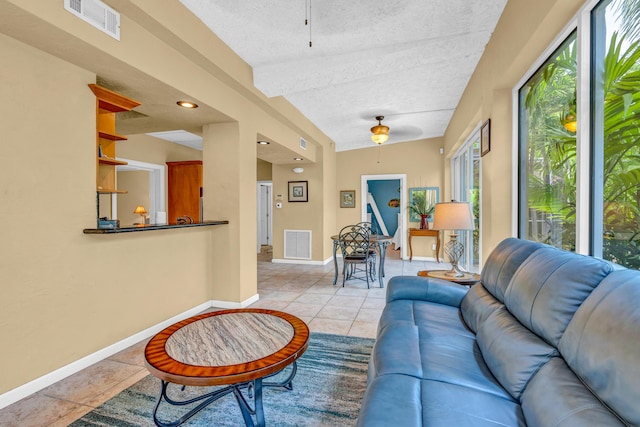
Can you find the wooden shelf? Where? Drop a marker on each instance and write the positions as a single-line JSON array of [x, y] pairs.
[[111, 101], [108, 161], [112, 136], [108, 103]]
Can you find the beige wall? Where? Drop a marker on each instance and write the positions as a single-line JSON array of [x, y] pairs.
[[420, 160], [145, 148], [62, 287], [70, 293], [523, 33], [263, 170]]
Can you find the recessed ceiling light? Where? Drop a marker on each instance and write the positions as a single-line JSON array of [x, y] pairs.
[[297, 159], [187, 104], [298, 170], [264, 142]]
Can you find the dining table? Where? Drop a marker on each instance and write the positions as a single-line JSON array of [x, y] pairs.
[[379, 241]]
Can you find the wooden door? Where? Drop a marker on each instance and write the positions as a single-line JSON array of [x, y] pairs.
[[185, 190]]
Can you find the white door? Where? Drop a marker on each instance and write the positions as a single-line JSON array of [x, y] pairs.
[[264, 214]]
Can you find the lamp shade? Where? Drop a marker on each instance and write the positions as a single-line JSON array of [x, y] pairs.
[[453, 216], [140, 210]]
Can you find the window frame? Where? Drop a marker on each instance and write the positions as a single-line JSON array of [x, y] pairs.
[[456, 183], [581, 24]]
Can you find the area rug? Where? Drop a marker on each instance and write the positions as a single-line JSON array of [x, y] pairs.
[[327, 391]]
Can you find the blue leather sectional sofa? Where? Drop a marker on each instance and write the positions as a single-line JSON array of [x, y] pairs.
[[548, 338]]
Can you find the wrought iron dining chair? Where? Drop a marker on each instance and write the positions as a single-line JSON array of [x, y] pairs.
[[357, 251], [369, 227]]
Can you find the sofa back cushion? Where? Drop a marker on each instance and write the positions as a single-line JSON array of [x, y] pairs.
[[502, 263], [602, 343], [477, 306], [548, 288], [512, 352]]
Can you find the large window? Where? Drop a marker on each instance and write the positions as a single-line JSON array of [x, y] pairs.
[[579, 139], [616, 130], [547, 150]]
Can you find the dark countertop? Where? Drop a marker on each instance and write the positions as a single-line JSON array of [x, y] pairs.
[[150, 227]]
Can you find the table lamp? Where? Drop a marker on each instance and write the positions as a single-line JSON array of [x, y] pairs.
[[453, 216], [140, 210]]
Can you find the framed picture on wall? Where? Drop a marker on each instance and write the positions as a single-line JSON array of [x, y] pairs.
[[485, 138], [347, 198], [298, 191]]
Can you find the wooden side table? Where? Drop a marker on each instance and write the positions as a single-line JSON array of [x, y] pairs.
[[419, 232], [468, 279]]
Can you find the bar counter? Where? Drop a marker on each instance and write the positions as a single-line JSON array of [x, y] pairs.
[[150, 227]]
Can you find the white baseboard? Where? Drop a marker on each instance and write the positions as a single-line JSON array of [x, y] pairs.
[[46, 380], [228, 304], [301, 261]]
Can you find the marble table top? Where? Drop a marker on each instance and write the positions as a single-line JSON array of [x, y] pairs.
[[229, 340]]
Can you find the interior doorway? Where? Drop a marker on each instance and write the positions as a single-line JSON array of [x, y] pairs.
[[157, 205], [264, 215], [400, 236]]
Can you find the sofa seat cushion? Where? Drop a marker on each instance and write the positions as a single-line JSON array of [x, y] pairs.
[[438, 348], [416, 312], [399, 400]]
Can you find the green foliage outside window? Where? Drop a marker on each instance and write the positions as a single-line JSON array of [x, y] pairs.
[[549, 118]]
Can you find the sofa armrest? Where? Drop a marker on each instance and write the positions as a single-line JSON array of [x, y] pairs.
[[425, 289]]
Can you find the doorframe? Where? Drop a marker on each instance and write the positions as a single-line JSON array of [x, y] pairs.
[[403, 203], [259, 212]]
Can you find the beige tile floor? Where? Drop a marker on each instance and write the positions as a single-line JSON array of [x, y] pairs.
[[303, 290]]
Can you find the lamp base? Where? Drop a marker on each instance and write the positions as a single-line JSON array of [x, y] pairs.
[[454, 251]]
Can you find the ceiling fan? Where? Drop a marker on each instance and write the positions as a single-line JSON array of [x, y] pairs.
[[381, 133]]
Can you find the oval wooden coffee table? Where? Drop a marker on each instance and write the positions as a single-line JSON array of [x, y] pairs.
[[236, 349]]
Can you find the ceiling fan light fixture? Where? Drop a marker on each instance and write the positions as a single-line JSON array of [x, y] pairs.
[[380, 133]]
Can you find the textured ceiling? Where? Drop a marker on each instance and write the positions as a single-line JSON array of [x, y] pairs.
[[408, 60]]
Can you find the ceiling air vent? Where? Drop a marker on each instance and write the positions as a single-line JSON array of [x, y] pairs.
[[303, 143], [97, 14]]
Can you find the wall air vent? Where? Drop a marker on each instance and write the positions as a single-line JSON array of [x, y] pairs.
[[297, 244], [303, 143], [97, 14]]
